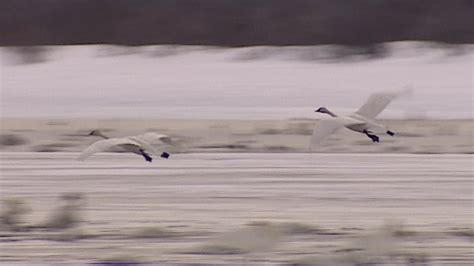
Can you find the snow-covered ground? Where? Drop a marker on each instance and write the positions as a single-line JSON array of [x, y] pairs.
[[233, 83], [211, 208]]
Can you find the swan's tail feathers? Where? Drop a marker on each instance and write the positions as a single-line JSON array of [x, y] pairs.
[[147, 157], [165, 155], [390, 133]]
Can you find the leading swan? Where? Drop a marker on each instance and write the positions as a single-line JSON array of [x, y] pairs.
[[361, 121], [136, 144]]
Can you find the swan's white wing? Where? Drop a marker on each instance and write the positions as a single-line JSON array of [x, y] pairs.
[[145, 145], [323, 129], [152, 137], [367, 123], [103, 145], [377, 103]]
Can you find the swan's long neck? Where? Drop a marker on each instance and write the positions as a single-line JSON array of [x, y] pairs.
[[100, 134], [330, 113]]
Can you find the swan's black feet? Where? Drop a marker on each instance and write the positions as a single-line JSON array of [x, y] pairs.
[[165, 155], [390, 133], [147, 157], [374, 138]]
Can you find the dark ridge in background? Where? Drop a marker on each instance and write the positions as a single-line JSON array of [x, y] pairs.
[[234, 22]]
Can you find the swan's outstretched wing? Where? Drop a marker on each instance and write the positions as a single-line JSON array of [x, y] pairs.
[[323, 129], [377, 103], [152, 137], [103, 145]]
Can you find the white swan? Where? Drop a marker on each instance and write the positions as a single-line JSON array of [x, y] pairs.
[[361, 121], [135, 144]]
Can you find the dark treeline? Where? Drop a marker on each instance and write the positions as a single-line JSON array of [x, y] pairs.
[[234, 22]]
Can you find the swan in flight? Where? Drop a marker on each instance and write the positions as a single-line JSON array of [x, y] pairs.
[[136, 144], [361, 121]]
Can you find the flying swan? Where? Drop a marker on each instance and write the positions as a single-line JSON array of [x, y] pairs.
[[136, 144], [361, 121]]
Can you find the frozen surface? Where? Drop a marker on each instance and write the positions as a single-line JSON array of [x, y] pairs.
[[240, 83], [200, 197]]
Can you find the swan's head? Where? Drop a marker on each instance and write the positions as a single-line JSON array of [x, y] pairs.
[[323, 110], [96, 133]]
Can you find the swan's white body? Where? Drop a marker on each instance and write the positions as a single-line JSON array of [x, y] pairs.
[[361, 121], [134, 144]]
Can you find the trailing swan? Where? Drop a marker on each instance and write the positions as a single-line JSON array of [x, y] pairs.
[[136, 144], [361, 121]]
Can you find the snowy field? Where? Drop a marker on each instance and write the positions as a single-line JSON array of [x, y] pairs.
[[333, 209], [195, 82], [238, 187]]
